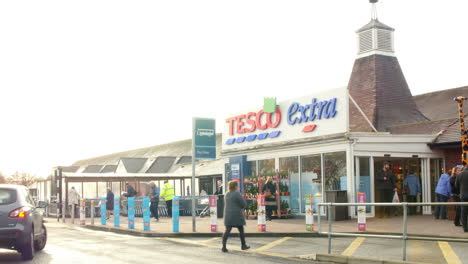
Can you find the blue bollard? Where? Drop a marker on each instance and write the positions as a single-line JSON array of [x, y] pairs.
[[116, 211], [103, 211], [175, 214], [146, 214], [131, 212]]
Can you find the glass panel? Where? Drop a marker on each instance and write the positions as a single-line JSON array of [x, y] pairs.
[[289, 182], [116, 188], [267, 167], [102, 189], [89, 190], [436, 171], [311, 179], [335, 171], [364, 180]]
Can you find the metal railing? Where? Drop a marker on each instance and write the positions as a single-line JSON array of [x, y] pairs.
[[404, 235]]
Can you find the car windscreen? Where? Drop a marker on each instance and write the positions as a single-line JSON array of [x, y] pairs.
[[7, 196]]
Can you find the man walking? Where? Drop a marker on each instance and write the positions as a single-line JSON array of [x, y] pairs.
[[386, 183], [131, 192], [414, 188], [73, 200], [462, 184], [168, 194], [154, 195]]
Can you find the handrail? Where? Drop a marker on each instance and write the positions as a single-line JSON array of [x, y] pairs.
[[404, 235]]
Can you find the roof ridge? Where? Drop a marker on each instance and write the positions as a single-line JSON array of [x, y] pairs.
[[438, 91]]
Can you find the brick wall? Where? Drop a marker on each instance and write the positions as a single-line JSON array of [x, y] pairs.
[[452, 157]]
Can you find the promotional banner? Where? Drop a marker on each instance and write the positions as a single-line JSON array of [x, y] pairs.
[[146, 213], [213, 213], [116, 211], [82, 212], [361, 212], [261, 217], [131, 212], [103, 211], [309, 200], [175, 214]]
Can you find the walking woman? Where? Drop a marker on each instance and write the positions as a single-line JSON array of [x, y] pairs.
[[442, 191], [234, 206]]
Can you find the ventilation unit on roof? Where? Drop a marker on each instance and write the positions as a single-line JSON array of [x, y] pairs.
[[384, 40], [365, 41]]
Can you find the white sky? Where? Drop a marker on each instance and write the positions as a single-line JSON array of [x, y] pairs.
[[79, 79]]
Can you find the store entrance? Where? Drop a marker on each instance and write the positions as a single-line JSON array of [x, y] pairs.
[[401, 168]]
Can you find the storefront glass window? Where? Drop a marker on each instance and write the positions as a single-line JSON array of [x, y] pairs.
[[335, 171], [267, 167], [102, 189], [311, 179], [363, 171], [289, 182], [253, 168]]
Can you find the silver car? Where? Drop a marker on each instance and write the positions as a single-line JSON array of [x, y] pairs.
[[21, 225]]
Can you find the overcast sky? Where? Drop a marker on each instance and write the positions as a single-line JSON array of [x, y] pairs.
[[79, 79]]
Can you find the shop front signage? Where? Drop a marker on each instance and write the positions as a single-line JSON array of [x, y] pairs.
[[308, 116]]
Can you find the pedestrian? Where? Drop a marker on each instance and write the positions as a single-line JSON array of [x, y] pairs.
[[462, 184], [269, 190], [73, 200], [131, 192], [455, 194], [154, 195], [234, 206], [411, 182], [219, 188], [442, 191], [109, 203], [386, 184], [168, 194]]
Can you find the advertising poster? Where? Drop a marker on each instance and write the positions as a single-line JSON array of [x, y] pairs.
[[131, 212], [361, 212], [103, 211], [261, 217], [213, 213], [116, 211], [146, 214], [309, 212]]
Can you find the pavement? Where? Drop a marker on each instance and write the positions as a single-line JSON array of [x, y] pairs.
[[420, 225]]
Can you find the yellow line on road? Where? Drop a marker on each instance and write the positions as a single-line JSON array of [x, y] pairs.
[[272, 244], [353, 246], [450, 256], [211, 239]]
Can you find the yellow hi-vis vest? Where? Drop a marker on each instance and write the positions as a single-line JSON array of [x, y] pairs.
[[167, 192]]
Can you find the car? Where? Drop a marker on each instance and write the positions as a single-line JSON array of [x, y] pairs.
[[21, 224]]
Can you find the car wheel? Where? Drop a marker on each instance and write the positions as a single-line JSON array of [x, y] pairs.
[[27, 249], [41, 240]]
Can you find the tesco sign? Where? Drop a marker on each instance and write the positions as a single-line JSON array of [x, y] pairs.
[[308, 116]]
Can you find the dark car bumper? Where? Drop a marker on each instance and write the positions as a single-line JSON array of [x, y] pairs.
[[11, 238]]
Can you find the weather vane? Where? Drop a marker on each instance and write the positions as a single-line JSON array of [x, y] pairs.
[[373, 9]]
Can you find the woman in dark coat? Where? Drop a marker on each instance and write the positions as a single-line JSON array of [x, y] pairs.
[[269, 190], [109, 202], [234, 206]]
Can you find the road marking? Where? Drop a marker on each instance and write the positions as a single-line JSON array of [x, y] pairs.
[[211, 239], [272, 244], [353, 246], [450, 256]]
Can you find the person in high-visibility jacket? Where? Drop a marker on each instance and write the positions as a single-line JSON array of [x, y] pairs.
[[167, 193]]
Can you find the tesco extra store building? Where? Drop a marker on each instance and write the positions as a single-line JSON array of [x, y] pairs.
[[308, 142]]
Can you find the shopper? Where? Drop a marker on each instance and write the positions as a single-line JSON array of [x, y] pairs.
[[109, 203], [386, 183], [219, 188], [168, 194], [269, 190], [130, 190], [442, 194], [233, 214], [154, 195], [462, 184], [411, 183], [73, 200], [455, 192]]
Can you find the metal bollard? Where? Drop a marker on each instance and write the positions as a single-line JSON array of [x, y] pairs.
[[213, 213], [329, 228], [405, 229], [261, 218], [82, 212], [309, 219], [64, 211], [92, 212], [72, 213]]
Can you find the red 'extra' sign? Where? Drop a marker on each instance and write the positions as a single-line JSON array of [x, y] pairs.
[[252, 121]]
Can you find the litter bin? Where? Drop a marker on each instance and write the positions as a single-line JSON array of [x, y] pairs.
[[220, 206], [339, 213]]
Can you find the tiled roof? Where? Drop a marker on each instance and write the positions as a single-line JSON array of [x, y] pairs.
[[109, 168], [428, 127], [133, 165], [93, 169], [440, 104], [161, 165]]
